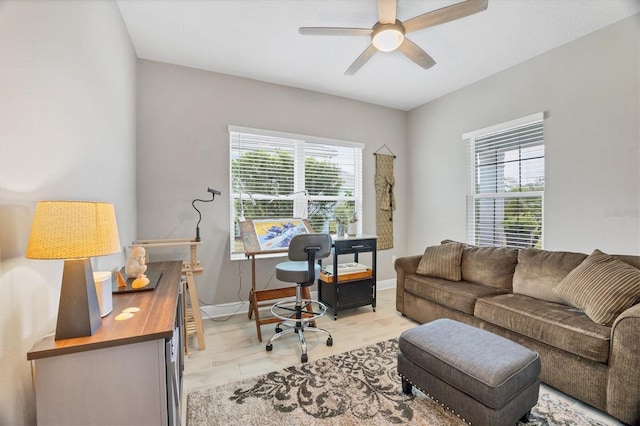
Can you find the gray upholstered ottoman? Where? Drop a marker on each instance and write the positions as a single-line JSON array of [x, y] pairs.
[[483, 378]]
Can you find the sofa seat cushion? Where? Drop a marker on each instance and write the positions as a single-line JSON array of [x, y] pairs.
[[557, 325], [459, 295]]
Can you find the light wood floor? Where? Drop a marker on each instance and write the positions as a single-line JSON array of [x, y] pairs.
[[233, 351]]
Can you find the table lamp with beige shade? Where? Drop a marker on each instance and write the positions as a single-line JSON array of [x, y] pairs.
[[74, 231]]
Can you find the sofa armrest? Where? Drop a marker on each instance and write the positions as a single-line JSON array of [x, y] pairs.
[[404, 266], [623, 392]]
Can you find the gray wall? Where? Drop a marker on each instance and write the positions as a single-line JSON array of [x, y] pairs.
[[183, 147], [67, 131], [588, 90]]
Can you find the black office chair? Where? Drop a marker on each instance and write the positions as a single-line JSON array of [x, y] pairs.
[[303, 269]]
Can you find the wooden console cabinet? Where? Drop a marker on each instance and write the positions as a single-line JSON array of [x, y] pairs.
[[128, 373], [340, 294]]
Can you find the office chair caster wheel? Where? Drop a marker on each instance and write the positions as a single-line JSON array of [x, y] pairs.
[[269, 348], [304, 358], [278, 330], [330, 341]]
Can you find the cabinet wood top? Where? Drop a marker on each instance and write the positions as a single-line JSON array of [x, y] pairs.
[[155, 320]]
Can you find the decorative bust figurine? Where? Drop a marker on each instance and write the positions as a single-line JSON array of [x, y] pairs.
[[136, 267]]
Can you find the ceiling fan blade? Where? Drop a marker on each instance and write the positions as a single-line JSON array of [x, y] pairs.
[[334, 31], [416, 54], [387, 11], [362, 59], [445, 14]]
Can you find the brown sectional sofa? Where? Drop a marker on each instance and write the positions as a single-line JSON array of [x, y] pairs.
[[516, 294]]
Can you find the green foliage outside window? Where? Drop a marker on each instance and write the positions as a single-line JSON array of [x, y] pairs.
[[523, 216]]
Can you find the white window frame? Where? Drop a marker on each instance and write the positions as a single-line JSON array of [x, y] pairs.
[[472, 196], [300, 202]]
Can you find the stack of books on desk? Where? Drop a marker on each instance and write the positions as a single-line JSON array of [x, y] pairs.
[[346, 272]]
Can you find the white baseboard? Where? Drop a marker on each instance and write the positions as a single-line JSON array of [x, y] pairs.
[[234, 308], [386, 284]]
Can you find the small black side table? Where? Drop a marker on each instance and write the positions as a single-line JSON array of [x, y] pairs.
[[338, 294]]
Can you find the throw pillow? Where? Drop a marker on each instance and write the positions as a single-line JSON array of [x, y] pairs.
[[442, 261], [602, 287]]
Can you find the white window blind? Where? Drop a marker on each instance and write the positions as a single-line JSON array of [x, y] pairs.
[[506, 180], [279, 175]]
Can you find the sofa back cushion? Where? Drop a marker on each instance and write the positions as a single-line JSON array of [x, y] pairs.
[[441, 261], [601, 286], [491, 266], [627, 258], [539, 271]]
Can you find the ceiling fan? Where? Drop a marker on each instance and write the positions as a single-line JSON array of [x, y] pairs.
[[388, 33]]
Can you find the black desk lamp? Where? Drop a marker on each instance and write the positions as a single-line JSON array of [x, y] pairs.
[[193, 203]]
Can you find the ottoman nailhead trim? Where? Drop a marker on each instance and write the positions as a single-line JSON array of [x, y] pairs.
[[434, 399]]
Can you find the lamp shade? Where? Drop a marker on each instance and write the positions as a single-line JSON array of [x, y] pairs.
[[73, 229]]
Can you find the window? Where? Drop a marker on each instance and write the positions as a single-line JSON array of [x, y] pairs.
[[506, 181], [277, 175]]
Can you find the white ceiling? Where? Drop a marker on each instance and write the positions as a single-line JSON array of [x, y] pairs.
[[259, 39]]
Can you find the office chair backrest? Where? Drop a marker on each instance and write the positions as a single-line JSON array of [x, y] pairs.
[[301, 242]]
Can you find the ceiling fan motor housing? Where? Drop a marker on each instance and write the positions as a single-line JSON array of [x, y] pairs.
[[387, 37]]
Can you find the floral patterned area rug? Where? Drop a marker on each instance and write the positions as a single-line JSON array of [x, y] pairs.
[[352, 388]]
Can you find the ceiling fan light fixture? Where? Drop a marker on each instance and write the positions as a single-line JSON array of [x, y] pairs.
[[387, 37]]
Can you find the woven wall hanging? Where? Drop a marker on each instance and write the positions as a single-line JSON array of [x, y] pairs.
[[385, 202]]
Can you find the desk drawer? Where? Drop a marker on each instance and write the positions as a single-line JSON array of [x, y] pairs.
[[355, 246]]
